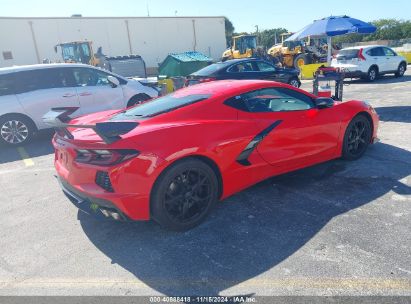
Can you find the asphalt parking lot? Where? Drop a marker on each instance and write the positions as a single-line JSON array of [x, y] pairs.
[[339, 228]]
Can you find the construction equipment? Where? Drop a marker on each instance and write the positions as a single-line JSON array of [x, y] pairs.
[[81, 52], [301, 52], [242, 46], [130, 66]]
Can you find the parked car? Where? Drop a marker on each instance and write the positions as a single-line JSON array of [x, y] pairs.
[[28, 92], [249, 68], [173, 158], [368, 62]]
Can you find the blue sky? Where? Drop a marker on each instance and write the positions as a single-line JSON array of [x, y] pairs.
[[292, 15]]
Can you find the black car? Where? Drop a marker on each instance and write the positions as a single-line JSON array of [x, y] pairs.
[[249, 68]]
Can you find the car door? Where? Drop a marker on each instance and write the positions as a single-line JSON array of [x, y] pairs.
[[42, 89], [378, 56], [95, 92], [392, 61], [242, 70], [267, 71], [294, 132]]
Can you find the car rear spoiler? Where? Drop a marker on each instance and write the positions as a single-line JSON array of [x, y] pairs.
[[59, 119]]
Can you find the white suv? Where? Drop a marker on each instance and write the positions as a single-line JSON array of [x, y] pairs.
[[369, 62], [29, 92]]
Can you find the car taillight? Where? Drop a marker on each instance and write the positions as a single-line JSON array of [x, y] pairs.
[[104, 157], [207, 79], [360, 55]]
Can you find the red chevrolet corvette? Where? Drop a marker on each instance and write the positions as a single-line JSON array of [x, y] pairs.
[[173, 158]]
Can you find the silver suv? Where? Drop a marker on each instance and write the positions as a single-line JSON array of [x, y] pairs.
[[29, 92]]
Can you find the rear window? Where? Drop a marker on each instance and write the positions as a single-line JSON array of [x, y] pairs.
[[208, 70], [161, 105], [347, 54]]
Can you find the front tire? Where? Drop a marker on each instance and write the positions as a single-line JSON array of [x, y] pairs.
[[357, 138], [15, 130], [299, 61], [401, 70], [137, 99], [184, 194]]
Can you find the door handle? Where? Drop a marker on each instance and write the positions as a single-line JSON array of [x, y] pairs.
[[69, 95], [85, 94]]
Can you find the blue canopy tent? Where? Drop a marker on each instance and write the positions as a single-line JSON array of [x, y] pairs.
[[333, 26]]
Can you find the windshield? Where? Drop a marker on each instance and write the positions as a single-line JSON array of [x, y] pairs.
[[76, 52], [162, 105]]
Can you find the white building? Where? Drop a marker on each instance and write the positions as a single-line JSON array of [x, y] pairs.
[[30, 40]]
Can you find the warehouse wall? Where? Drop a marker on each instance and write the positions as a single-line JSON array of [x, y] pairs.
[[151, 37]]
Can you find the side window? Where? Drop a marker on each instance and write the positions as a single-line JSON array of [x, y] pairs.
[[90, 77], [271, 100], [42, 79], [64, 78], [6, 84], [265, 67], [388, 52], [377, 52], [241, 67]]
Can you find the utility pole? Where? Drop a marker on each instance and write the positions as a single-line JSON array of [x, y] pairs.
[[256, 31]]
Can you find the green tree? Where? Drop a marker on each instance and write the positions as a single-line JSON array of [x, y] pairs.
[[387, 29], [229, 30], [267, 38]]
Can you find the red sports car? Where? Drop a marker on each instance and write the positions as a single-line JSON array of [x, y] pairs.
[[173, 158]]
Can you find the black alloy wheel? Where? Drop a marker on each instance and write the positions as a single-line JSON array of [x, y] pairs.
[[184, 194], [357, 138]]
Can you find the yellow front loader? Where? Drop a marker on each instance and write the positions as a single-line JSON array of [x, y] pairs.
[[80, 52], [242, 46]]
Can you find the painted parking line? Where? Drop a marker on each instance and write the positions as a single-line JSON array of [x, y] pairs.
[[370, 284], [25, 157]]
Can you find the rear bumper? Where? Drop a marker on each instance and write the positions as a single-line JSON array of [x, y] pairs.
[[354, 74], [98, 208]]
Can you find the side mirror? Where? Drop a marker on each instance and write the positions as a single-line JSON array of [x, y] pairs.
[[55, 49], [114, 81], [324, 102]]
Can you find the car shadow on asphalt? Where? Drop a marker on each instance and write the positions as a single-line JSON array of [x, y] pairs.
[[381, 79], [39, 146], [254, 230], [395, 114]]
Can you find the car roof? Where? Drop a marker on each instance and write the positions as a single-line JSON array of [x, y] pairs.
[[357, 47], [226, 87], [231, 61], [19, 68]]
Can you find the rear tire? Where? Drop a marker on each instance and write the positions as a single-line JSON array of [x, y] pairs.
[[16, 130], [372, 74], [137, 99], [401, 70], [184, 194], [357, 137], [295, 82]]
